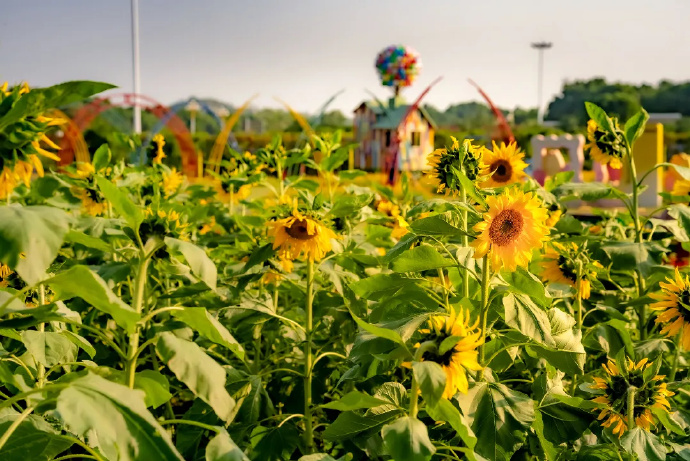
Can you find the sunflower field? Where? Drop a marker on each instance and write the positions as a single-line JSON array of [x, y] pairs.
[[260, 315]]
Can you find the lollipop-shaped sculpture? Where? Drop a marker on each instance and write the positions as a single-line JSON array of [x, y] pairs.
[[398, 66]]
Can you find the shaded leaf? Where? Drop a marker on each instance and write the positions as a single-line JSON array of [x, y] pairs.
[[407, 439]]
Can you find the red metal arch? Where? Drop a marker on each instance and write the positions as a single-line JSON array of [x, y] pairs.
[[87, 113]]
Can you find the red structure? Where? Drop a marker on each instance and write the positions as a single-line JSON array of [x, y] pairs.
[[86, 114], [505, 134]]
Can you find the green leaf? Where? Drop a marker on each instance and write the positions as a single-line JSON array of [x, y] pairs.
[[444, 224], [354, 400], [259, 256], [222, 448], [115, 419], [407, 439], [598, 114], [523, 315], [381, 332], [80, 342], [550, 451], [348, 424], [379, 284], [445, 411], [274, 443], [587, 191], [567, 354], [644, 444], [501, 419], [202, 375], [421, 258], [49, 348], [334, 160], [30, 238], [33, 440], [121, 203], [101, 158], [87, 241], [202, 266], [81, 282], [155, 385], [469, 187], [607, 452], [635, 125], [431, 379], [349, 205], [522, 281], [207, 325]]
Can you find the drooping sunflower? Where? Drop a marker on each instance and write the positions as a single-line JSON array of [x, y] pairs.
[[559, 265], [673, 307], [605, 147], [505, 165], [172, 180], [461, 357], [5, 272], [513, 227], [466, 158], [300, 233], [555, 214], [159, 140], [650, 393]]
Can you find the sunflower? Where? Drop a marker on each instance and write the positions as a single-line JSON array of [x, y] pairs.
[[159, 140], [674, 308], [171, 181], [681, 188], [8, 181], [209, 226], [400, 227], [275, 275], [5, 272], [505, 165], [445, 162], [561, 267], [513, 227], [300, 233], [605, 147], [650, 393], [388, 208], [555, 214], [461, 357], [91, 201]]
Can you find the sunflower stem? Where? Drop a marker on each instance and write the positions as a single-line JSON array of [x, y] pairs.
[[578, 309], [41, 369], [631, 407], [140, 288], [414, 400], [485, 307], [446, 290], [676, 358], [466, 244], [15, 424], [308, 428]]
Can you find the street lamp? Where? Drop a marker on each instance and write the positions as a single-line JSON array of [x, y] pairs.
[[135, 65], [192, 107], [540, 46]]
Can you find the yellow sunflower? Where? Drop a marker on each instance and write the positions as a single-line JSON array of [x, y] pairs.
[[505, 165], [557, 268], [673, 307], [172, 181], [649, 394], [8, 181], [91, 201], [209, 226], [681, 188], [5, 272], [443, 162], [461, 357], [159, 140], [604, 147], [400, 227], [512, 228], [299, 233], [554, 216], [388, 208]]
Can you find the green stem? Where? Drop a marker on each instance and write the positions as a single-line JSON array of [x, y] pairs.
[[208, 427], [133, 351], [308, 429], [578, 309], [92, 453], [466, 244], [642, 309], [41, 369], [676, 358], [13, 427], [484, 312], [631, 407], [641, 312], [446, 290], [414, 398]]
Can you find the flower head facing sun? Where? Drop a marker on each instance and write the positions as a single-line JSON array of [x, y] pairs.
[[620, 377], [300, 233], [445, 162], [604, 146], [172, 180], [673, 308], [459, 358], [512, 227], [505, 165]]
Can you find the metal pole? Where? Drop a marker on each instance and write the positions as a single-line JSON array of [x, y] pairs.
[[135, 65], [540, 83]]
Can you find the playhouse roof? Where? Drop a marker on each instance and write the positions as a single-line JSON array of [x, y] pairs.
[[390, 117]]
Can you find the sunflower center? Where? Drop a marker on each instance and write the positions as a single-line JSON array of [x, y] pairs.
[[506, 227], [299, 230], [502, 169]]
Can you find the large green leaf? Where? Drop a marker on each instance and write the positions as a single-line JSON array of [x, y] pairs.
[[431, 379], [599, 115], [121, 203], [587, 191], [644, 444], [155, 385], [567, 353], [634, 127], [522, 281], [202, 375], [444, 224], [30, 238], [407, 439], [274, 443], [348, 424], [114, 418], [354, 400], [348, 205], [49, 348], [379, 284], [203, 322], [198, 260], [82, 282], [222, 448], [33, 440], [381, 332], [445, 411], [605, 452], [520, 313], [421, 258], [500, 418]]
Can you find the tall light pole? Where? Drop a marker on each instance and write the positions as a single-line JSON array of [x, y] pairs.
[[135, 64], [540, 46]]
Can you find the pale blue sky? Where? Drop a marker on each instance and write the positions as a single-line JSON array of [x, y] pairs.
[[303, 51]]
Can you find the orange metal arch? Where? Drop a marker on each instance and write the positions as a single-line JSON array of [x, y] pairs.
[[86, 114]]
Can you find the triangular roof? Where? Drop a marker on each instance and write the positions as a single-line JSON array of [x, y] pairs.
[[389, 118]]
